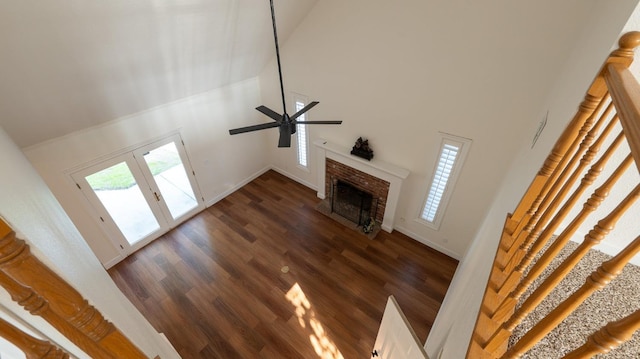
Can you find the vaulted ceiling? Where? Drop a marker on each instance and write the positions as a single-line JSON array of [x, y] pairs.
[[69, 64]]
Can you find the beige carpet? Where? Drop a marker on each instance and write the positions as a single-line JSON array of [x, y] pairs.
[[620, 298]]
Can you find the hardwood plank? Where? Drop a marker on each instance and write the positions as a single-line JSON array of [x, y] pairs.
[[215, 288]]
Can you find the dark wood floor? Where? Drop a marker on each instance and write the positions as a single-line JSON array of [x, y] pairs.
[[215, 286]]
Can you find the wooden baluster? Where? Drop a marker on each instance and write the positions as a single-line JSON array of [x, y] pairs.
[[595, 236], [608, 337], [590, 177], [597, 94], [580, 143], [44, 293], [533, 246], [33, 348], [588, 149], [499, 288], [554, 165], [506, 308], [558, 191], [36, 305], [591, 205], [608, 271], [559, 243], [506, 280]]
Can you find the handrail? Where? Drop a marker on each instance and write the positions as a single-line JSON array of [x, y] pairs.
[[42, 292], [613, 98], [625, 93]]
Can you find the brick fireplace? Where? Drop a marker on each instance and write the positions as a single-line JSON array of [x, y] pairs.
[[363, 181], [381, 179]]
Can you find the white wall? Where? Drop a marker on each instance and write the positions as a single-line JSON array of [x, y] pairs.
[[29, 207], [221, 162], [397, 73], [452, 329]]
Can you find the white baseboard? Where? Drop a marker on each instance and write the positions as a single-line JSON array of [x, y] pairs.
[[402, 230], [428, 243], [112, 262], [238, 185], [169, 347], [386, 228], [295, 178]]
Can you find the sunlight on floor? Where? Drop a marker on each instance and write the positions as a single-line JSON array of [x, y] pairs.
[[324, 347]]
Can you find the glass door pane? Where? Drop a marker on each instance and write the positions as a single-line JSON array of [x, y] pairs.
[[140, 194], [170, 175], [119, 193]]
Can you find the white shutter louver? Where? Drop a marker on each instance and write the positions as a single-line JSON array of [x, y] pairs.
[[301, 133], [452, 152]]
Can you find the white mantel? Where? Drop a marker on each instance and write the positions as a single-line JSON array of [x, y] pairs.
[[393, 174]]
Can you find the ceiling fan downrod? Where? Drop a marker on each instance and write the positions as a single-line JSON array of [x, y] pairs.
[[275, 37], [286, 124]]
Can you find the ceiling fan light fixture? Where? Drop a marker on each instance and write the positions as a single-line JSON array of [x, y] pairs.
[[286, 124]]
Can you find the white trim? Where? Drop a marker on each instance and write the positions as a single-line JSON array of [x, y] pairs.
[[295, 178], [239, 185], [257, 174], [385, 167], [124, 150], [140, 171], [252, 177], [130, 116], [462, 144], [113, 261], [303, 168], [428, 242], [393, 174], [304, 100]]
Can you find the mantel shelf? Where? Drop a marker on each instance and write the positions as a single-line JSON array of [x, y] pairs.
[[386, 171], [377, 164]]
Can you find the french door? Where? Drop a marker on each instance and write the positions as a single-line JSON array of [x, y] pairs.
[[141, 194]]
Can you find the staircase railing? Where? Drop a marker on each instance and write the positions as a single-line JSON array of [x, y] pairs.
[[42, 292], [532, 236]]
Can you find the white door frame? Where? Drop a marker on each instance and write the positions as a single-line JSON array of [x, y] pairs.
[[139, 156], [134, 157]]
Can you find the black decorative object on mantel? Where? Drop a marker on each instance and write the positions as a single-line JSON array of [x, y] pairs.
[[361, 149]]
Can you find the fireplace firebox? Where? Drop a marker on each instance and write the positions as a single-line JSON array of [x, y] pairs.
[[351, 202]]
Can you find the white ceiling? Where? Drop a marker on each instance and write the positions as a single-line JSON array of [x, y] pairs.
[[71, 64]]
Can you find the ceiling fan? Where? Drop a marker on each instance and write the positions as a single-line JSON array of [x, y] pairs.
[[285, 123]]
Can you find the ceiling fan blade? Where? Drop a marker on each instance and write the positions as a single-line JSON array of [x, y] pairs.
[[318, 122], [269, 112], [285, 135], [263, 126], [285, 123], [304, 109]]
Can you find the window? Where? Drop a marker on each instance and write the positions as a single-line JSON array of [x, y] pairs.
[[453, 150], [302, 138]]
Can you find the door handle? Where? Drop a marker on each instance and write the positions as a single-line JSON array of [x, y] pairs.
[[374, 353], [157, 196]]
